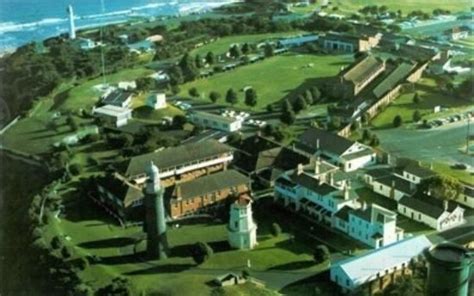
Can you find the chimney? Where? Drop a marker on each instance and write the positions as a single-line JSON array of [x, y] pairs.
[[445, 205], [300, 169], [317, 144], [331, 179], [316, 166], [346, 191], [178, 191], [364, 205]]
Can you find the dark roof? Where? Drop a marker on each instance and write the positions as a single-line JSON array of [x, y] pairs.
[[175, 156], [427, 205], [343, 213], [212, 183], [359, 71], [419, 171], [468, 191], [328, 141], [336, 36], [313, 184], [116, 98], [393, 79], [400, 183], [382, 215]]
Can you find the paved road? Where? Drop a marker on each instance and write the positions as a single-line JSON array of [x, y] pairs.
[[435, 145]]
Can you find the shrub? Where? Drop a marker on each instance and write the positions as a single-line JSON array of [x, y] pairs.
[[56, 243], [66, 252], [276, 229], [321, 254], [416, 116], [75, 169], [397, 121], [201, 252], [193, 92]]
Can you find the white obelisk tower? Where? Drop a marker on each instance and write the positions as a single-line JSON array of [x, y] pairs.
[[72, 27], [242, 229]]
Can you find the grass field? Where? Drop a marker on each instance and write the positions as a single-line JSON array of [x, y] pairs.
[[222, 45], [91, 232], [405, 5], [273, 78], [430, 97]]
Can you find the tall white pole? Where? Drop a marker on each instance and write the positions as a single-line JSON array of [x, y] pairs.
[[72, 27]]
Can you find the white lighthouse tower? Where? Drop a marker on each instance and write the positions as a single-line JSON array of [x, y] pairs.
[[72, 27], [242, 228]]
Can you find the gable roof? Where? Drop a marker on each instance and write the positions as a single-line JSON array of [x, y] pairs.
[[174, 156], [116, 98], [400, 183], [419, 171], [393, 79], [365, 268], [328, 141], [360, 71], [427, 205], [212, 183]]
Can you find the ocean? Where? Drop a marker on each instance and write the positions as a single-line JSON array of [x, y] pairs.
[[23, 21]]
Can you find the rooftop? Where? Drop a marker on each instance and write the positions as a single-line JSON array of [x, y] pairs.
[[175, 156], [427, 205], [419, 171], [366, 267], [116, 98], [359, 72], [328, 141], [393, 79], [212, 183], [375, 213], [400, 183]]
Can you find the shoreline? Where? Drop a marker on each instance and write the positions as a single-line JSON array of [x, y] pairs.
[[183, 11]]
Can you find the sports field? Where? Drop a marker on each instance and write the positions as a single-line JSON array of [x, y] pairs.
[[273, 78]]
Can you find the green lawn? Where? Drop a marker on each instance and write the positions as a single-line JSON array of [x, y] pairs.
[[273, 78], [222, 45], [430, 97], [461, 175], [405, 5], [91, 232], [85, 96]]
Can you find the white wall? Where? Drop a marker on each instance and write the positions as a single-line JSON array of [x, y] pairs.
[[386, 190]]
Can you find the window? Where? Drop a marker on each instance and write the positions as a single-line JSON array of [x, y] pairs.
[[419, 216], [381, 187], [236, 224], [348, 283]]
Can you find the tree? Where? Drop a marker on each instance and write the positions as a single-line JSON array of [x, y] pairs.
[[179, 121], [56, 243], [231, 97], [188, 66], [401, 287], [309, 97], [214, 96], [366, 136], [268, 50], [201, 252], [175, 89], [66, 252], [465, 89], [416, 98], [288, 117], [71, 121], [118, 287], [246, 49], [276, 229], [145, 83], [286, 106], [300, 104], [416, 116], [321, 254], [198, 61], [75, 169], [250, 97], [397, 121], [235, 52], [316, 93], [210, 58], [193, 92], [374, 142], [176, 75], [442, 187]]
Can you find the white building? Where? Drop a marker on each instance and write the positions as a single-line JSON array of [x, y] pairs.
[[72, 26], [160, 76], [435, 213], [467, 196], [242, 229], [319, 190], [127, 85], [415, 173], [349, 155], [156, 101], [393, 187], [376, 265], [215, 121], [114, 115], [372, 225]]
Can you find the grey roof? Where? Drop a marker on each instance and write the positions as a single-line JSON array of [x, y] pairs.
[[419, 171], [378, 173], [366, 67], [393, 79], [358, 154], [328, 141], [175, 156], [313, 184], [380, 214], [427, 205], [212, 183], [116, 98], [343, 213], [400, 183]]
